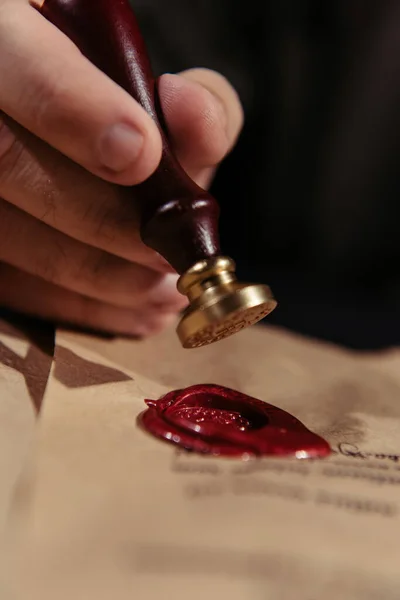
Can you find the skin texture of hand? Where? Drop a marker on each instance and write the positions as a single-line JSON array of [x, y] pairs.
[[70, 249]]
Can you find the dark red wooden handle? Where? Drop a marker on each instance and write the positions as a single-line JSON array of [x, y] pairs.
[[178, 219]]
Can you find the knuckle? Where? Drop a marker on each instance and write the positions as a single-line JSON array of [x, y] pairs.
[[6, 229], [52, 264], [89, 269], [50, 101], [11, 152], [46, 268], [86, 311]]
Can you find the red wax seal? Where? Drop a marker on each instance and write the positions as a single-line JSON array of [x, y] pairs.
[[211, 419]]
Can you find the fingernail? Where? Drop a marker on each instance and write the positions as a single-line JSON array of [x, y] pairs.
[[165, 291], [154, 325], [120, 147], [144, 324]]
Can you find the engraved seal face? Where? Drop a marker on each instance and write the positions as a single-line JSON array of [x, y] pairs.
[[211, 419], [234, 323], [219, 304]]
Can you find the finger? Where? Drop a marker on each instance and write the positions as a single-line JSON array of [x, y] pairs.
[[50, 187], [32, 246], [27, 294], [51, 89], [204, 118]]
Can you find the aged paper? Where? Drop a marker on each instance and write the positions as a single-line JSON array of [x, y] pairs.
[[106, 511], [26, 351], [25, 360]]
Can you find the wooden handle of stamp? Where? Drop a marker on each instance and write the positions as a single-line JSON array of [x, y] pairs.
[[178, 218]]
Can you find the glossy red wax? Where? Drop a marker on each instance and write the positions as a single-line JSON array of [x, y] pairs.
[[211, 419]]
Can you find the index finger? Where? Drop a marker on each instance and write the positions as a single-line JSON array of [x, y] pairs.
[[51, 89]]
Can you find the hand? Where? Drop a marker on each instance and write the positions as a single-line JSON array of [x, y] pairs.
[[70, 248]]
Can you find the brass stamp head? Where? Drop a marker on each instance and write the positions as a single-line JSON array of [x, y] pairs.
[[219, 304]]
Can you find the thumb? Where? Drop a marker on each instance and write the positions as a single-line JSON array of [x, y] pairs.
[[204, 118]]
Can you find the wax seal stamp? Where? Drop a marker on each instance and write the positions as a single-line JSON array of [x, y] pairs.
[[219, 304], [211, 419], [178, 219]]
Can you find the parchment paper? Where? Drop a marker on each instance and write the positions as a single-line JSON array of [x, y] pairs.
[[107, 512]]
